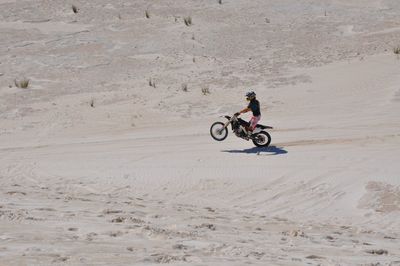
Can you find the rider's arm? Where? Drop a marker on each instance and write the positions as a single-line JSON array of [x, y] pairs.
[[245, 110]]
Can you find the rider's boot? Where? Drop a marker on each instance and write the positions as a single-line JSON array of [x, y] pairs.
[[248, 131]]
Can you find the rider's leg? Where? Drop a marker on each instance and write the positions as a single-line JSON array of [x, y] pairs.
[[253, 123], [248, 128]]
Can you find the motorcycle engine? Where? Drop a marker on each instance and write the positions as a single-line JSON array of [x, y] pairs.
[[238, 134]]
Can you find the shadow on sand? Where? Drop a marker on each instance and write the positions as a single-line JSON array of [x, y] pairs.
[[271, 150]]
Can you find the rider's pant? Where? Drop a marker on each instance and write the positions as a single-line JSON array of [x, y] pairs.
[[253, 121]]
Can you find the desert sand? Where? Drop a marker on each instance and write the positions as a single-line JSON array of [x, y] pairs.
[[106, 157]]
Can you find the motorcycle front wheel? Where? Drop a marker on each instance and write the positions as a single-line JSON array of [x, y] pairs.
[[218, 131], [262, 139]]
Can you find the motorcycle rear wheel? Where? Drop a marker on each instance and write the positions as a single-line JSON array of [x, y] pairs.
[[218, 131], [262, 139]]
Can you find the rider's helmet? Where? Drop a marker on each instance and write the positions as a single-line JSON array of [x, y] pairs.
[[250, 95]]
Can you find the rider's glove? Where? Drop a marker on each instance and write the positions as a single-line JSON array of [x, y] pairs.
[[237, 114]]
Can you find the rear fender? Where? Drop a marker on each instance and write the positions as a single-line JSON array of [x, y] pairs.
[[257, 130], [264, 127]]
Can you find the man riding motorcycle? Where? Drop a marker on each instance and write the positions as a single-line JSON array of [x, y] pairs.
[[254, 107]]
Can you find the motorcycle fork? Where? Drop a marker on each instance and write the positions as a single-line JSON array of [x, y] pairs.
[[227, 124]]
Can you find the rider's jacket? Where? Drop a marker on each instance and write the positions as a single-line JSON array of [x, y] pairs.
[[254, 105]]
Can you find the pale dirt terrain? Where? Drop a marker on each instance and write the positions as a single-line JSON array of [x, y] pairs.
[[136, 178]]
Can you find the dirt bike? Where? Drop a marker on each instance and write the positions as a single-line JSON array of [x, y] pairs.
[[260, 138]]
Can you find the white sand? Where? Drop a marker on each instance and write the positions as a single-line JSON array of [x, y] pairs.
[[137, 179]]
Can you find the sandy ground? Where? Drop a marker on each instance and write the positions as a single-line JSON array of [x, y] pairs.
[[99, 168]]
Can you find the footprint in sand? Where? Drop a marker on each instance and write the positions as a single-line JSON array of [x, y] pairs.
[[377, 251], [115, 233], [212, 227], [294, 233], [60, 259], [31, 218], [118, 220], [46, 209], [389, 237], [314, 257], [90, 236], [165, 258], [180, 247], [16, 193], [109, 211], [256, 254], [33, 249], [209, 209], [13, 215], [330, 238]]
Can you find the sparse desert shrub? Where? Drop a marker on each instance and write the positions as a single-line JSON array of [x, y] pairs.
[[152, 83], [396, 50], [91, 102], [188, 21], [23, 83], [147, 14], [184, 87], [75, 9], [220, 2], [205, 90], [194, 59], [267, 20]]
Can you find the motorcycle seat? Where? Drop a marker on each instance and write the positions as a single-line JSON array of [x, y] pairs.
[[263, 127], [246, 124]]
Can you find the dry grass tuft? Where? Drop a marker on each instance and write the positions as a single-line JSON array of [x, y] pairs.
[[184, 87], [75, 9], [188, 21], [152, 83], [205, 90], [23, 83]]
